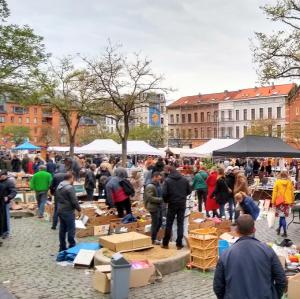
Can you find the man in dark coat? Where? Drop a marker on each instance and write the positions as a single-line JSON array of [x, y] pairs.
[[15, 164], [25, 162], [175, 191], [7, 193], [90, 182], [249, 268]]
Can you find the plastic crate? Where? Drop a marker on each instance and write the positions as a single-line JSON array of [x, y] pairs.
[[203, 241], [202, 263], [204, 253]]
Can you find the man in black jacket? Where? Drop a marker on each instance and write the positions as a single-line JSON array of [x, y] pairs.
[[249, 268], [175, 191], [90, 182], [7, 193], [67, 203], [57, 179]]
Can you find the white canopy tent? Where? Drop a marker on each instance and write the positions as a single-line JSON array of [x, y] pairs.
[[100, 146], [205, 150], [137, 147]]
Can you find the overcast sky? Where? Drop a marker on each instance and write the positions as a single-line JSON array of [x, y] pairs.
[[199, 45]]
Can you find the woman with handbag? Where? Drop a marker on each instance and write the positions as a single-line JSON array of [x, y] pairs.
[[282, 198]]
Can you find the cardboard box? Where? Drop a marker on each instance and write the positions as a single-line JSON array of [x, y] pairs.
[[101, 220], [126, 241], [117, 227], [101, 280], [101, 230], [141, 277], [294, 287], [87, 232]]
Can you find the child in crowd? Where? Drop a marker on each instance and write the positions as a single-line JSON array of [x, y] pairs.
[[247, 204]]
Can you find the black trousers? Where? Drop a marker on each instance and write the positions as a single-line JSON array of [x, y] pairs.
[[123, 205], [156, 222], [178, 211], [202, 195], [66, 228]]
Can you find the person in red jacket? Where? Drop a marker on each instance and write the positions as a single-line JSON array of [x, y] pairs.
[[211, 204], [30, 167]]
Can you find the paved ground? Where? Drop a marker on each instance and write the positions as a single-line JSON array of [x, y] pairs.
[[28, 268]]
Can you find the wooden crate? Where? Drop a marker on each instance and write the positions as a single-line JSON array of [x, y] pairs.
[[202, 263], [207, 223], [204, 231], [195, 215], [203, 241], [204, 253], [223, 224], [221, 231]]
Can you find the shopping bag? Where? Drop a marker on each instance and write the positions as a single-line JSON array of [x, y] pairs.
[[271, 218], [279, 200]]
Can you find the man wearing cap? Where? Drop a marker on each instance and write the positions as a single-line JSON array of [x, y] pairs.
[[7, 193]]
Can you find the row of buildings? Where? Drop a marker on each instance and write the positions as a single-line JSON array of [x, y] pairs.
[[189, 121], [274, 110]]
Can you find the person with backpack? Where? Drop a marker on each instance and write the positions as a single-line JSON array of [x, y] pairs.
[[199, 184], [153, 202], [118, 191]]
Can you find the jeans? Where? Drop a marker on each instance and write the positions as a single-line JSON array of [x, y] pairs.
[[222, 210], [156, 222], [174, 210], [123, 205], [282, 224], [41, 197], [202, 195], [231, 204], [66, 227], [7, 211], [55, 217], [90, 194]]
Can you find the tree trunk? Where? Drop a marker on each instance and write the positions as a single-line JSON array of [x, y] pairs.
[[72, 145], [124, 140]]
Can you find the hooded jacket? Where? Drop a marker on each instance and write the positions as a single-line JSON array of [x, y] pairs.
[[176, 189], [199, 182], [66, 199], [285, 188], [115, 193]]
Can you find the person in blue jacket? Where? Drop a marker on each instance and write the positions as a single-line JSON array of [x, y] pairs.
[[249, 269], [247, 204]]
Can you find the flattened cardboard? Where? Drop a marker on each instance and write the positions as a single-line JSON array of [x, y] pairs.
[[84, 258], [294, 287]]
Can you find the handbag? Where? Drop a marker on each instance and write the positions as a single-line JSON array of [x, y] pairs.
[[280, 198], [271, 218], [127, 186]]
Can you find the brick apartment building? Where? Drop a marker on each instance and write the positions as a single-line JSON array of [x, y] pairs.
[[41, 120], [195, 119]]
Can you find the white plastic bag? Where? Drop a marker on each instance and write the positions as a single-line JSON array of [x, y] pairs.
[[271, 218]]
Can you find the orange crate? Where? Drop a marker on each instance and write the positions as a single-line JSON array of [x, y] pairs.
[[203, 241], [206, 223], [204, 253], [204, 263], [196, 215], [221, 231], [204, 231]]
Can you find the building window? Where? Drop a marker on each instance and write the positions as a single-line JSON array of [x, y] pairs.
[[35, 121], [183, 133], [270, 113], [230, 114], [215, 116], [208, 132], [297, 111], [252, 114], [215, 133], [237, 132], [237, 114], [270, 130], [261, 113], [202, 117], [230, 132], [245, 130], [222, 132], [177, 118], [278, 112], [202, 133], [19, 120], [2, 119], [196, 133], [177, 133], [183, 118], [35, 110], [208, 116], [12, 119], [172, 119], [189, 118], [245, 114], [27, 120], [63, 139], [222, 115], [279, 131], [172, 133], [195, 117], [190, 134], [35, 130]]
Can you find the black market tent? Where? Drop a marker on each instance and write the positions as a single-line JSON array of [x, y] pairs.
[[258, 146]]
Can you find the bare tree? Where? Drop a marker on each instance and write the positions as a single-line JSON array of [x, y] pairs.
[[48, 135], [67, 90], [121, 85]]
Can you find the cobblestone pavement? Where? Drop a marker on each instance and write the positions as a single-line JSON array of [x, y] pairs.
[[28, 268]]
